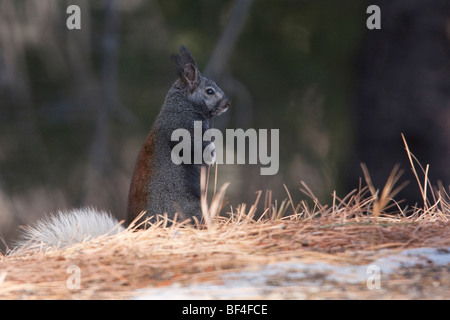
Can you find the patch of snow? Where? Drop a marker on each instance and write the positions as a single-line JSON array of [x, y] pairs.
[[249, 284]]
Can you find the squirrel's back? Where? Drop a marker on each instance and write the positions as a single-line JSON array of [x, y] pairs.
[[139, 194]]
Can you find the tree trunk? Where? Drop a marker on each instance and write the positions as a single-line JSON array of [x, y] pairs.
[[403, 86]]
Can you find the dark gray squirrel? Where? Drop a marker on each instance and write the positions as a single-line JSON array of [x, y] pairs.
[[158, 185]]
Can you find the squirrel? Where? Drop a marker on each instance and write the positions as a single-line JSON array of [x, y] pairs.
[[158, 184]]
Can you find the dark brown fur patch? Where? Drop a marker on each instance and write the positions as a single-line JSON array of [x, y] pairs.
[[138, 196]]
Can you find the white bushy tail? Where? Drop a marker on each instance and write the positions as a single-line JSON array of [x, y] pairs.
[[68, 227]]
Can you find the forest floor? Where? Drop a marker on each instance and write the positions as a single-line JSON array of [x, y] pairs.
[[351, 249], [335, 255]]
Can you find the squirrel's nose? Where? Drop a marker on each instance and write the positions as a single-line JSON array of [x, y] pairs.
[[227, 103]]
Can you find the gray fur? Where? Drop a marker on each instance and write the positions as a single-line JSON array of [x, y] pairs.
[[176, 188]]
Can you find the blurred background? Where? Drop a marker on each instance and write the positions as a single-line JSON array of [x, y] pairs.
[[76, 105]]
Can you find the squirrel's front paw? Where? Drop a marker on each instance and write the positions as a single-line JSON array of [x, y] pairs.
[[209, 154]]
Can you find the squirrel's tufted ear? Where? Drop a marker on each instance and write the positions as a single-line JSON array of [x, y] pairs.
[[186, 68]]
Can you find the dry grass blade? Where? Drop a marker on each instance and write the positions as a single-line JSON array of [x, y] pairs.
[[307, 191], [423, 188], [380, 203], [217, 202], [290, 199]]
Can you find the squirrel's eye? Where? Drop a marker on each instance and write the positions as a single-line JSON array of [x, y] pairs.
[[210, 91]]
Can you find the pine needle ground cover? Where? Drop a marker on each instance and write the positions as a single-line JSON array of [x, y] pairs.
[[181, 254], [347, 249]]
